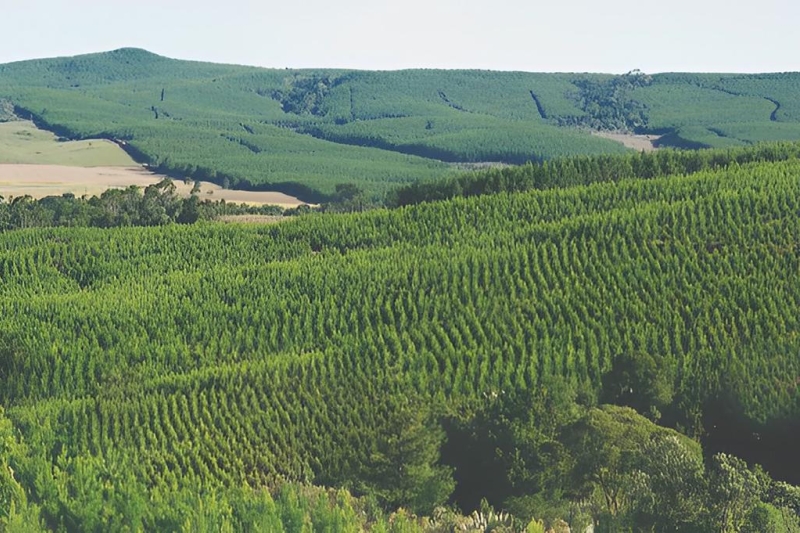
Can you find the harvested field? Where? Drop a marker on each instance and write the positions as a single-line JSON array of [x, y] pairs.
[[637, 142], [39, 181]]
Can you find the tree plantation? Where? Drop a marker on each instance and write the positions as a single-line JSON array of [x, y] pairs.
[[620, 352], [302, 132]]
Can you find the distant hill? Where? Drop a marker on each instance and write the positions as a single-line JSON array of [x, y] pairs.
[[305, 131]]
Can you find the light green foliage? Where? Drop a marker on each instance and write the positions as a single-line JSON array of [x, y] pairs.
[[458, 137], [780, 88], [718, 111], [736, 491], [766, 518], [586, 170], [93, 494], [610, 447], [759, 132], [135, 326], [240, 125], [17, 514], [535, 526], [12, 495]]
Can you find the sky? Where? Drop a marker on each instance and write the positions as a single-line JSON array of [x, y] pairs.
[[612, 36]]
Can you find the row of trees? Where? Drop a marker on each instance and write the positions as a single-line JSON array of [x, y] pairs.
[[92, 494], [574, 171], [156, 205]]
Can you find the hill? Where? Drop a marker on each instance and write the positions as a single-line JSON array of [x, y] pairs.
[[305, 131], [342, 350]]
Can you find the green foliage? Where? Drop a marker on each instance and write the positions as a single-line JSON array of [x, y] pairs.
[[637, 473], [535, 526], [642, 381], [173, 364], [674, 105], [765, 518], [609, 445], [587, 170], [304, 131], [403, 470], [607, 102], [157, 205]]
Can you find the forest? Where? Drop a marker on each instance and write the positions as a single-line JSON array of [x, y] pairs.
[[619, 352], [155, 205], [302, 132]]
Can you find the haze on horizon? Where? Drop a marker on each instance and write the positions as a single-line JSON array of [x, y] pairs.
[[574, 36]]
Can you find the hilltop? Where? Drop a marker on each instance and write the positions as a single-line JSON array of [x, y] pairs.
[[305, 131]]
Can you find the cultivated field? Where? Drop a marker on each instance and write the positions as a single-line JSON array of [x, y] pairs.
[[34, 162]]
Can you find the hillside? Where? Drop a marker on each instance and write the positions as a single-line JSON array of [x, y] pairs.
[[341, 350], [599, 339], [304, 131]]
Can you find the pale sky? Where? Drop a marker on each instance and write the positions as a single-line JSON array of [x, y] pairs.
[[531, 35]]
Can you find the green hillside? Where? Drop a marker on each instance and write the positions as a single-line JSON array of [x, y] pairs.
[[304, 131], [341, 349], [595, 338]]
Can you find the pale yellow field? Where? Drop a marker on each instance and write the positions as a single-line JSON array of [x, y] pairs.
[[39, 181]]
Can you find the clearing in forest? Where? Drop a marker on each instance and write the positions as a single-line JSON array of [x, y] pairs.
[[637, 142]]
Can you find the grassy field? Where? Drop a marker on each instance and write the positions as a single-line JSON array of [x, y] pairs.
[[22, 143]]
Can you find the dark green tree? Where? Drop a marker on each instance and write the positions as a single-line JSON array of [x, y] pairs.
[[639, 380]]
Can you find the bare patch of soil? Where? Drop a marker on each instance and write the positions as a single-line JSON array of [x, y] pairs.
[[637, 142], [480, 165]]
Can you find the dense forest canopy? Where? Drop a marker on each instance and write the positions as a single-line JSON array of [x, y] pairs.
[[529, 349]]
